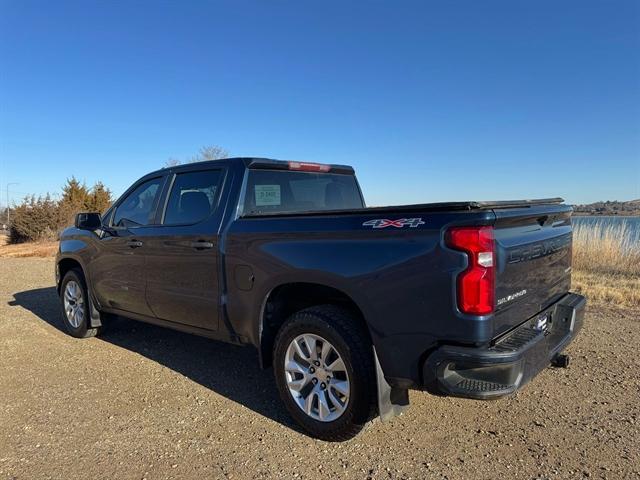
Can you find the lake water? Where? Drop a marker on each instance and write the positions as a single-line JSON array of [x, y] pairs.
[[632, 223]]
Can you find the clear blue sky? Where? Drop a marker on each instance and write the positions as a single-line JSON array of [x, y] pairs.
[[430, 101]]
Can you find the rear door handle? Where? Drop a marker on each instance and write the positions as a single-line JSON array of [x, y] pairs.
[[134, 243], [201, 245]]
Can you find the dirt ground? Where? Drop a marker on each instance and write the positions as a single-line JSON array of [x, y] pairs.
[[144, 402]]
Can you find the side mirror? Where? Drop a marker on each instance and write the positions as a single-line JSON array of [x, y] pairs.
[[88, 221]]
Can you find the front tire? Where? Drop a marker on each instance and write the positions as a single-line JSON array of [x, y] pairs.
[[75, 305], [324, 369]]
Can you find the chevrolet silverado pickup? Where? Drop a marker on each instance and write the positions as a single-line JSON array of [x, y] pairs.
[[351, 306]]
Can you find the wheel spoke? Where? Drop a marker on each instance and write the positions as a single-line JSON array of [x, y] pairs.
[[298, 383], [326, 351], [323, 405], [308, 402], [338, 404], [310, 342], [337, 365], [340, 386], [299, 350], [293, 366]]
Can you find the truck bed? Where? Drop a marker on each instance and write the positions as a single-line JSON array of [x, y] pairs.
[[406, 274]]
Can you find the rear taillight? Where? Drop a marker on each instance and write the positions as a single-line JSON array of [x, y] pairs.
[[476, 285]]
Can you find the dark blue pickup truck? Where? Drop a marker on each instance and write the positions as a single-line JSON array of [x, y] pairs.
[[352, 306]]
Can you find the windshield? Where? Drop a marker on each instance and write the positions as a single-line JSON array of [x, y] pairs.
[[278, 191]]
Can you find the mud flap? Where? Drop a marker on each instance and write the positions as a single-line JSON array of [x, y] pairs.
[[94, 315], [391, 401]]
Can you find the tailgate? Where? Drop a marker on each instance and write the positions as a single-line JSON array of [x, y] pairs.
[[533, 249]]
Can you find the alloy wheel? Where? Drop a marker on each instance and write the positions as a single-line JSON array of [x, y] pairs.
[[74, 303], [317, 377]]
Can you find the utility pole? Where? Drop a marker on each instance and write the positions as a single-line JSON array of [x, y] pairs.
[[8, 206]]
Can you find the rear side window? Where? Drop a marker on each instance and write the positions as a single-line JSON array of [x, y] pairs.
[[193, 197], [276, 191], [138, 208]]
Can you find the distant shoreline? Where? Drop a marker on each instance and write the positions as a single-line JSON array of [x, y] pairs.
[[606, 215], [609, 208]]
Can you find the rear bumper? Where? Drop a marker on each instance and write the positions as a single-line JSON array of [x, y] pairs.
[[516, 358]]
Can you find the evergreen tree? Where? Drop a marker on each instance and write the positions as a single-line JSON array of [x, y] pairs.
[[75, 197], [34, 219], [99, 199]]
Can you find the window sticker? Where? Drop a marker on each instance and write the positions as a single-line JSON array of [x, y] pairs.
[[267, 195]]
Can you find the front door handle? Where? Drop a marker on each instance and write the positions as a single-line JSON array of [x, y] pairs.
[[134, 243], [201, 245]]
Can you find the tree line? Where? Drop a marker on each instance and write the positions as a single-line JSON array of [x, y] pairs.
[[43, 218], [631, 208]]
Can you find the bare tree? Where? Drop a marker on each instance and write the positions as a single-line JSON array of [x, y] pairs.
[[211, 152], [172, 162], [208, 152]]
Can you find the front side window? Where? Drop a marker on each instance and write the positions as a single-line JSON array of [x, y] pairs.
[[277, 191], [193, 197], [138, 208]]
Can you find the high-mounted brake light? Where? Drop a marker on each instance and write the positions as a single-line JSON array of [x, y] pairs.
[[476, 285], [309, 167]]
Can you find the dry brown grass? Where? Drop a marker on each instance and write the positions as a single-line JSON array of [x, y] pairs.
[[617, 290], [606, 264], [605, 248], [28, 249]]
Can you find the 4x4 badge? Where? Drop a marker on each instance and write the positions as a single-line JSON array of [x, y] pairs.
[[400, 223]]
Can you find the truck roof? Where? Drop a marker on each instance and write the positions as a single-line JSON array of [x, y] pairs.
[[258, 163], [261, 163]]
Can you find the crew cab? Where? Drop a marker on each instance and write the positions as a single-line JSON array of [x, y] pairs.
[[351, 306]]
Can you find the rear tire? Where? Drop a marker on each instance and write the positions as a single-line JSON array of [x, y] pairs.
[[324, 369], [74, 301]]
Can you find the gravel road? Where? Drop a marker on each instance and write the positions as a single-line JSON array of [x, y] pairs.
[[144, 402]]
